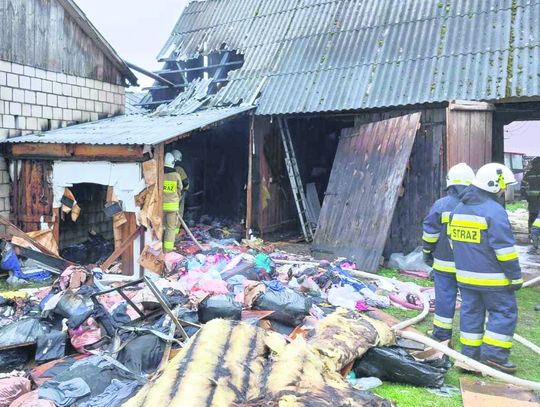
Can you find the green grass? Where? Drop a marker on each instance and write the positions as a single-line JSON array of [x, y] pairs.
[[4, 286], [514, 206], [527, 362]]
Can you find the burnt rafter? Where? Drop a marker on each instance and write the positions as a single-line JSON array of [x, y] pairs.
[[176, 76]]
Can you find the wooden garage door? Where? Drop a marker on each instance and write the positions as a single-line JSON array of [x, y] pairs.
[[363, 190]]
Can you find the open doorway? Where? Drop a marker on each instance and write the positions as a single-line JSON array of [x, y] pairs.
[[87, 238], [522, 155], [216, 164]]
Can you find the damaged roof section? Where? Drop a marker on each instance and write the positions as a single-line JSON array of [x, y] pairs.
[[319, 55], [132, 129]]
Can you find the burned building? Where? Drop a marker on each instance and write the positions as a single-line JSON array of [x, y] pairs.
[[56, 70], [357, 106]]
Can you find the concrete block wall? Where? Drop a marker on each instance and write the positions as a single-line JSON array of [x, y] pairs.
[[34, 100]]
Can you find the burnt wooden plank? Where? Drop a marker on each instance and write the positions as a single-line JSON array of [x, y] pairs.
[[363, 190], [34, 194], [76, 152]]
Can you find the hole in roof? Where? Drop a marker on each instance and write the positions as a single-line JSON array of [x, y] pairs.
[[214, 66]]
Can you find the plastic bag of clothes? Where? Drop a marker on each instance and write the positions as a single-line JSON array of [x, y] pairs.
[[24, 331], [219, 306], [51, 346], [413, 262], [74, 308], [396, 365], [12, 388], [289, 307], [143, 354], [31, 399]]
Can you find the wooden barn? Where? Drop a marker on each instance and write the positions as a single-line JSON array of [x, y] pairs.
[[352, 108]]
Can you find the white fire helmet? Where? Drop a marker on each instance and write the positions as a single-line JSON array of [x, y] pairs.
[[169, 160], [494, 177], [459, 174]]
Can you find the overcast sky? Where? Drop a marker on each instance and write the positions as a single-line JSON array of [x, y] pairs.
[[137, 29]]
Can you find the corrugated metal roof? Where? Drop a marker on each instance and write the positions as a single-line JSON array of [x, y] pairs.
[[132, 129], [132, 100], [331, 55]]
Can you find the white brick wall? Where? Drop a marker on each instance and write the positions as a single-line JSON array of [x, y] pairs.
[[31, 97], [34, 100]]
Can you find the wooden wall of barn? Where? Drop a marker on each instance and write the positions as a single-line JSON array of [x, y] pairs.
[[41, 34], [424, 178]]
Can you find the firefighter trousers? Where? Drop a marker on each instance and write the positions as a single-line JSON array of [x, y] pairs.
[[445, 304], [495, 340], [170, 224]]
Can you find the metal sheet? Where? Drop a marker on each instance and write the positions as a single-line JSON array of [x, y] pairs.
[[319, 55], [363, 190], [132, 129]]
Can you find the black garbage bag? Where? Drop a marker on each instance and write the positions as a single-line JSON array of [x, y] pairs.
[[74, 308], [396, 365], [14, 359], [24, 331], [187, 315], [290, 307], [219, 306], [143, 354]]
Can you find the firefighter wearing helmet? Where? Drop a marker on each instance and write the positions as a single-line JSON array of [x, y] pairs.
[[438, 253], [172, 195], [487, 268]]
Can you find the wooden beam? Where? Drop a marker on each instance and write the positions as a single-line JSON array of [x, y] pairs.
[[120, 250], [468, 105], [76, 152], [128, 229], [249, 192], [19, 233]]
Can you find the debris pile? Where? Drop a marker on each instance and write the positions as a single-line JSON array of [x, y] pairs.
[[222, 323]]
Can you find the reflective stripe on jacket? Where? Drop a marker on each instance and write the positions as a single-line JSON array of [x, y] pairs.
[[172, 190], [483, 242], [435, 236]]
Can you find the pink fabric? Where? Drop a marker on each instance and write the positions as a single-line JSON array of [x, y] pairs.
[[172, 259], [73, 277], [212, 287], [361, 306], [31, 400], [87, 334], [12, 388]]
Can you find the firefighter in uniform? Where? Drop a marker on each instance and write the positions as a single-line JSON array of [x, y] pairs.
[[487, 268], [535, 232], [185, 183], [530, 189], [172, 194], [437, 251]]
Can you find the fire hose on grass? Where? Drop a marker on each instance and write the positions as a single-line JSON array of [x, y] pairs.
[[399, 329], [489, 371]]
